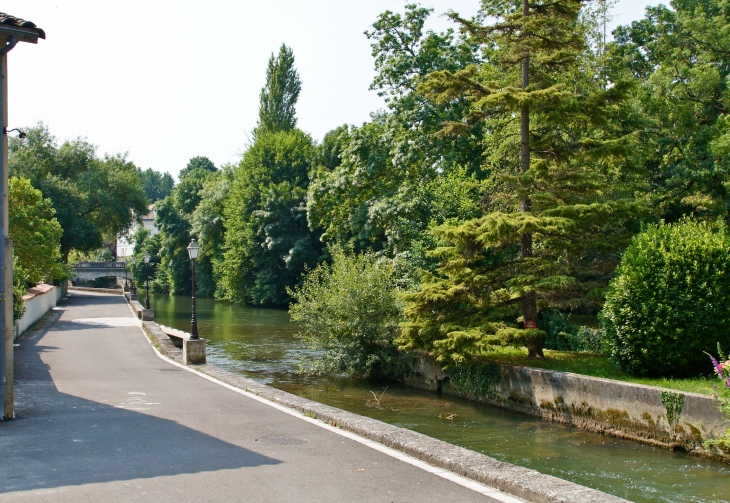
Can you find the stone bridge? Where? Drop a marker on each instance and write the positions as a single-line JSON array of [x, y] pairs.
[[86, 271]]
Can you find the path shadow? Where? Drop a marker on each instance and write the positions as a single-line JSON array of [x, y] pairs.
[[61, 440]]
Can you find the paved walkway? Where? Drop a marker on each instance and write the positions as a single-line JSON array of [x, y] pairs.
[[100, 417]]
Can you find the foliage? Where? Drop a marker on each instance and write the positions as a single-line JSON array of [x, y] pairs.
[[277, 109], [91, 196], [173, 274], [562, 335], [207, 225], [144, 243], [155, 184], [19, 282], [557, 212], [101, 255], [197, 163], [267, 240], [36, 235], [673, 403], [174, 220], [722, 371], [679, 56], [350, 312], [475, 378], [665, 305], [391, 178], [193, 177]]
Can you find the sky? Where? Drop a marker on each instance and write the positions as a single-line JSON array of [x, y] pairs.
[[165, 81]]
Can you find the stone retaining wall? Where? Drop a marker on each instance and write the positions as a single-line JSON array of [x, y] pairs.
[[657, 416]]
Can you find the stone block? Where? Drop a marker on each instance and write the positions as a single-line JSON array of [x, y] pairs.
[[147, 314], [193, 351]]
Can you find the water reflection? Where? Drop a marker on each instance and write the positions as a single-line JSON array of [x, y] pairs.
[[260, 344]]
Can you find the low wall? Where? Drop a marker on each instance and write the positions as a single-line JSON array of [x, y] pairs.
[[662, 417], [113, 291], [38, 301]]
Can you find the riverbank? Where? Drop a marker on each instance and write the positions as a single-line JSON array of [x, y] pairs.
[[647, 414], [260, 344], [522, 482]]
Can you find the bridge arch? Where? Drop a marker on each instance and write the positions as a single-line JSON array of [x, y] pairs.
[[87, 271]]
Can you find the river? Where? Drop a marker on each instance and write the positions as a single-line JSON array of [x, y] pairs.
[[260, 344]]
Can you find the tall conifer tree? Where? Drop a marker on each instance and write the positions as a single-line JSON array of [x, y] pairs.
[[555, 214]]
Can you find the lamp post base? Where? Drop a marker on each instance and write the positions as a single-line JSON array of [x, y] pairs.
[[194, 351]]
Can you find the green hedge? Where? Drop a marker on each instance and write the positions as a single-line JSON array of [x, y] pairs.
[[670, 300]]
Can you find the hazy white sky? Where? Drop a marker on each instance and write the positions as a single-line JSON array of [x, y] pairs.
[[169, 80]]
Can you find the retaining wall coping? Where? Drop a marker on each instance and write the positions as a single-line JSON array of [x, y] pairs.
[[606, 381], [174, 332], [37, 290]]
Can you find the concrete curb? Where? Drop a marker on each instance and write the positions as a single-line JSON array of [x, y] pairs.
[[521, 482]]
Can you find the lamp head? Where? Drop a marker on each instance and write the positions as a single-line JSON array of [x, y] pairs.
[[21, 134], [146, 258], [193, 249]]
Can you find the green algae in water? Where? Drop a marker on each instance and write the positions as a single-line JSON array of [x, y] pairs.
[[260, 344]]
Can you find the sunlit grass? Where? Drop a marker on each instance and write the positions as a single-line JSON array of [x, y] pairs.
[[595, 366]]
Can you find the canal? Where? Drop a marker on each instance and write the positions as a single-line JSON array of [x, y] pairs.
[[260, 344]]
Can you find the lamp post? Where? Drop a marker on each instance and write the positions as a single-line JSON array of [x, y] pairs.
[[147, 279], [133, 289], [193, 249]]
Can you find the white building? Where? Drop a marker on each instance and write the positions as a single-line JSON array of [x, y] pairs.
[[125, 245]]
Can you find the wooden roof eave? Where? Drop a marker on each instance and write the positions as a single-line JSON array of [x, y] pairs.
[[29, 35]]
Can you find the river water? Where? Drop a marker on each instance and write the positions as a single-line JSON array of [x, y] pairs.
[[260, 344]]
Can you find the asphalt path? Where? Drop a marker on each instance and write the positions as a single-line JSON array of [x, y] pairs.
[[101, 418]]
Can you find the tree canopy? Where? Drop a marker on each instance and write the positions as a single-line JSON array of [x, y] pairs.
[[36, 235], [155, 184], [92, 196], [556, 216], [277, 108]]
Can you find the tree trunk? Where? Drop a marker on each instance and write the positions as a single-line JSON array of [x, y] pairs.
[[529, 302]]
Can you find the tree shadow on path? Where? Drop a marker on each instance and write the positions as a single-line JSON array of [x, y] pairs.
[[62, 440]]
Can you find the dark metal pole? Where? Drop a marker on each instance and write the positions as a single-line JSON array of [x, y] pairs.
[[193, 321], [147, 282]]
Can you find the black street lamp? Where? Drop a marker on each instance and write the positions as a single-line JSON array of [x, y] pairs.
[[147, 279], [193, 249], [133, 288]]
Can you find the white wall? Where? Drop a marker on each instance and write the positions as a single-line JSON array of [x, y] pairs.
[[37, 307]]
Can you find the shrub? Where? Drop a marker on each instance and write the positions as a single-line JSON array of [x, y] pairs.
[[349, 311], [668, 302], [562, 335]]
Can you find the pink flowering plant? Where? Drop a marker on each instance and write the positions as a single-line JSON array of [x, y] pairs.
[[722, 391]]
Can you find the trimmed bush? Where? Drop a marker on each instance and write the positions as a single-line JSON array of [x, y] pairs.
[[670, 300]]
